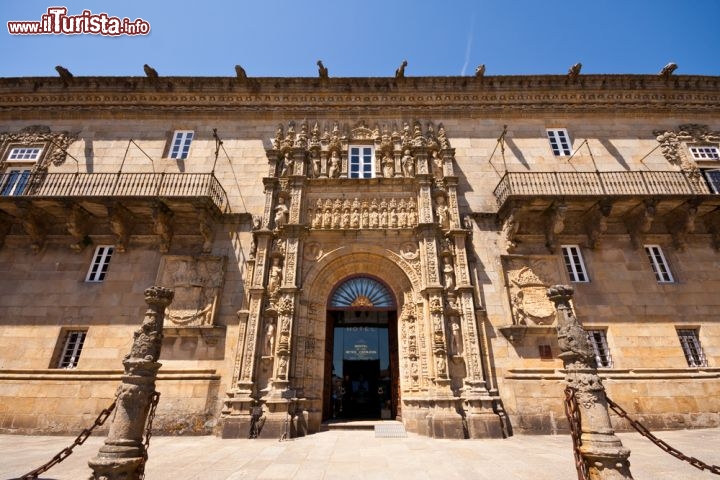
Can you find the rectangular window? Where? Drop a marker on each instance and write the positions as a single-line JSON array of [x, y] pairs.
[[181, 144], [713, 179], [705, 153], [598, 341], [659, 264], [361, 162], [14, 181], [690, 344], [559, 141], [100, 263], [71, 348], [30, 154], [574, 263]]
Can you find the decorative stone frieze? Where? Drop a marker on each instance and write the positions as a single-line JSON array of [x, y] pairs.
[[362, 213]]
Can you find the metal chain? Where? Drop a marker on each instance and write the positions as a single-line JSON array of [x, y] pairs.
[[642, 430], [573, 415], [67, 451], [148, 432]]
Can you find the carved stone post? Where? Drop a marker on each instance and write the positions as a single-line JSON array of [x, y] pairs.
[[122, 456], [602, 451]]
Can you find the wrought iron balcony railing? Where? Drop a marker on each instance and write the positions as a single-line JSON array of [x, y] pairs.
[[128, 185], [521, 184]]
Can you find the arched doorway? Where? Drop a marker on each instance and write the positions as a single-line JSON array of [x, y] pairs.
[[361, 355]]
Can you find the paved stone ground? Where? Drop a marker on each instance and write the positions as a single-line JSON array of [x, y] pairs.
[[349, 455]]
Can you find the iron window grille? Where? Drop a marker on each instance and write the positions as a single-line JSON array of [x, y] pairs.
[[690, 344], [72, 348], [598, 341]]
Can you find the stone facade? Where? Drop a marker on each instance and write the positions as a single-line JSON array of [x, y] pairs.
[[463, 217]]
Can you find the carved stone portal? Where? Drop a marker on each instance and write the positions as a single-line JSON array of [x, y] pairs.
[[197, 282], [527, 280]]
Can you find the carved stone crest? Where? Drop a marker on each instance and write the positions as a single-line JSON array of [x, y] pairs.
[[197, 282], [527, 281]]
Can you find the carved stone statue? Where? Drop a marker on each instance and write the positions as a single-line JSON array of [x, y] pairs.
[[281, 213], [437, 165], [334, 168], [388, 166], [448, 273], [456, 346], [269, 341], [442, 212], [275, 278], [408, 164], [286, 166], [315, 161]]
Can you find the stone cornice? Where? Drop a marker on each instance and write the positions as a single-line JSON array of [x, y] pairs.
[[29, 96]]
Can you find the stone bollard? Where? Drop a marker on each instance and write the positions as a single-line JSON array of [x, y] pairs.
[[602, 451], [122, 457]]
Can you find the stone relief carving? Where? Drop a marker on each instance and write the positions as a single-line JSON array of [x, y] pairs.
[[527, 281], [370, 213], [672, 148], [197, 282], [395, 150], [54, 145]]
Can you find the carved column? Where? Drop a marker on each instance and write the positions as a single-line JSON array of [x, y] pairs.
[[122, 455], [602, 450]]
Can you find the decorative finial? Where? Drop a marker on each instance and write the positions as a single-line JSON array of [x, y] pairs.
[[574, 71], [400, 72], [240, 72], [480, 71], [150, 72], [668, 70], [322, 70]]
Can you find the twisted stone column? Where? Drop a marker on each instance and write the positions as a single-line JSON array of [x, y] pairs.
[[602, 451], [122, 455]]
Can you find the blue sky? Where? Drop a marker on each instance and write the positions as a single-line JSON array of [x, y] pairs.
[[371, 38]]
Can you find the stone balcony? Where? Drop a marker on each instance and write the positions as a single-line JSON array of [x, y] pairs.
[[121, 204], [593, 203]]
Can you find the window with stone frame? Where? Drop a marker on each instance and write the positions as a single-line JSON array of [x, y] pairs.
[[658, 263], [69, 348], [574, 263], [712, 177], [705, 152], [690, 343], [559, 142], [100, 263], [19, 163], [361, 161], [598, 342], [180, 144]]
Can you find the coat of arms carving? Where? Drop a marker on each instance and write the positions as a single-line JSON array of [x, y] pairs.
[[528, 279], [197, 282]]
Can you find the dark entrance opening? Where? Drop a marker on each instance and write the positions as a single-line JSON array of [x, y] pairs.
[[361, 361]]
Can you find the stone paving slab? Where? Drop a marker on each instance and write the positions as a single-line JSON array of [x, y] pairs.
[[358, 454]]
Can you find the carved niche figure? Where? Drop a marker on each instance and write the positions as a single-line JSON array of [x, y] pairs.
[[408, 164], [437, 165], [275, 278], [456, 346], [334, 168], [388, 166], [448, 273], [315, 161], [197, 282], [442, 212], [286, 166], [269, 340], [281, 213]]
